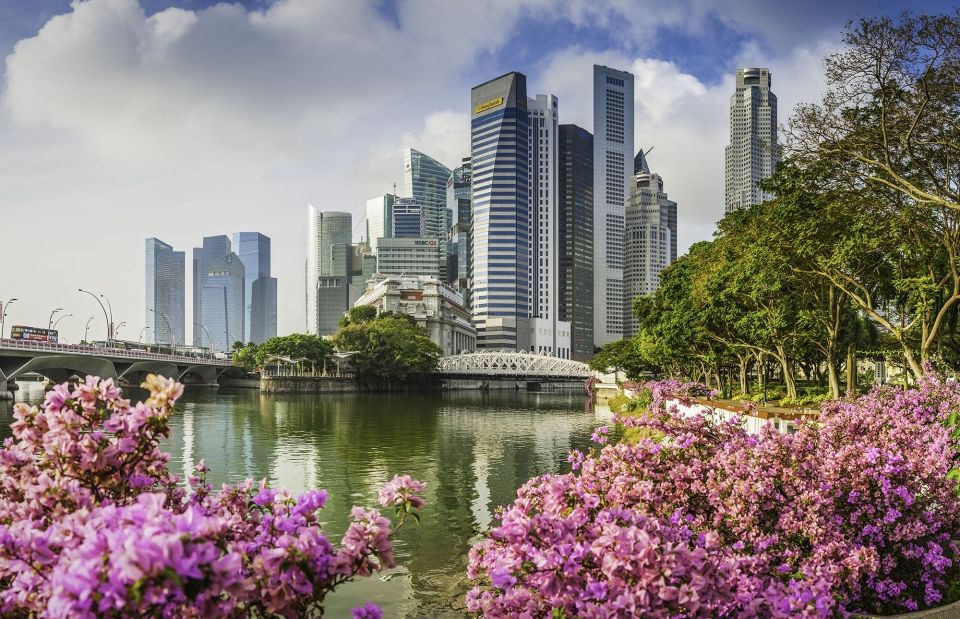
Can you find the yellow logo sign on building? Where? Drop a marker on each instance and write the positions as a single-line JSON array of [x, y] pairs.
[[489, 105]]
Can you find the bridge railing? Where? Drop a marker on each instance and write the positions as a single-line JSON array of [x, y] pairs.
[[512, 364], [78, 349]]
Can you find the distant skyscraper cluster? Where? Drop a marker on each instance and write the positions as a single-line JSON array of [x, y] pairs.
[[234, 295], [546, 233]]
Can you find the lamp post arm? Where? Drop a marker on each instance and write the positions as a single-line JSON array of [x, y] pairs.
[[105, 316]]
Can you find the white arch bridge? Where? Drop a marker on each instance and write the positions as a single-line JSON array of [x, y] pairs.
[[520, 366]]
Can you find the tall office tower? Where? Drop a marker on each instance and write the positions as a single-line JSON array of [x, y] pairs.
[[649, 242], [612, 154], [223, 301], [640, 165], [328, 253], [458, 237], [753, 152], [212, 248], [410, 256], [575, 245], [408, 219], [499, 149], [547, 335], [164, 279], [363, 265], [425, 180], [260, 311], [379, 219]]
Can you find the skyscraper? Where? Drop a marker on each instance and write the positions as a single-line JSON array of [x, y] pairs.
[[499, 194], [328, 253], [649, 238], [612, 156], [379, 219], [260, 311], [425, 180], [223, 301], [575, 202], [753, 152], [458, 237], [212, 248], [164, 279], [408, 219], [548, 335]]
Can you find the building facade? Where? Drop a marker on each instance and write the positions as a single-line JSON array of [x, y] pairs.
[[548, 335], [425, 180], [164, 279], [649, 244], [379, 214], [329, 234], [408, 219], [575, 231], [334, 296], [260, 310], [754, 150], [435, 306], [211, 248], [223, 296], [410, 256], [499, 150], [458, 237], [612, 156]]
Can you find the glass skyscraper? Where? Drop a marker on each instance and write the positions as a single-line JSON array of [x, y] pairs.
[[575, 202], [379, 219], [164, 280], [260, 297], [425, 180], [501, 234], [328, 253], [458, 237], [408, 219], [223, 301], [212, 248]]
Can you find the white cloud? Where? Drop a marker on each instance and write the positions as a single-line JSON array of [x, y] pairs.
[[120, 125]]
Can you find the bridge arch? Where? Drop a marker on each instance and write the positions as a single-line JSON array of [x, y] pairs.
[[59, 368], [510, 364]]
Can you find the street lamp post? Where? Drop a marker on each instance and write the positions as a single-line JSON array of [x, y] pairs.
[[50, 320], [209, 339], [116, 332], [110, 308], [86, 331], [140, 339], [166, 319], [3, 316], [59, 319], [105, 316]]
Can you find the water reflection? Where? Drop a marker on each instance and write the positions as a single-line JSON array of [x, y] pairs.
[[473, 449]]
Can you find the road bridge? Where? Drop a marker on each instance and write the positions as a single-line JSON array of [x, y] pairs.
[[60, 361]]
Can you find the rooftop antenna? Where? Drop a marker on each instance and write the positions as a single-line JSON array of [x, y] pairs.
[[394, 188]]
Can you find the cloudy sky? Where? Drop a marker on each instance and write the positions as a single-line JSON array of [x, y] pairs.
[[125, 119]]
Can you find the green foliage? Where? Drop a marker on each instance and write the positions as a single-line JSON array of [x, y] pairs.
[[301, 347], [389, 349], [622, 355], [359, 315]]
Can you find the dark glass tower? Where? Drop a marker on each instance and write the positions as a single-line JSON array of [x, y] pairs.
[[575, 202], [499, 150]]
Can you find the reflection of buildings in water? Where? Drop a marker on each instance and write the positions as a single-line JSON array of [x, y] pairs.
[[186, 457]]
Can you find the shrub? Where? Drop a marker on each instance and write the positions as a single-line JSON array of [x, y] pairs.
[[93, 524], [853, 513]]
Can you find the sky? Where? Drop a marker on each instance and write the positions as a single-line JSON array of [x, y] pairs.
[[178, 119]]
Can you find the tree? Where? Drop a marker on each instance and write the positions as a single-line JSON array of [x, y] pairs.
[[620, 355], [301, 347], [390, 349]]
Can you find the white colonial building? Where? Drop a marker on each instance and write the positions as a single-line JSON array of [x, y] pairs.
[[435, 306]]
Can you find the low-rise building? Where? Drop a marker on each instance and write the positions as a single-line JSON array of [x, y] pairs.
[[435, 306]]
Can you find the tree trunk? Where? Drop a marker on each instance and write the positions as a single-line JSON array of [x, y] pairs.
[[851, 369], [787, 367], [833, 378], [744, 365]]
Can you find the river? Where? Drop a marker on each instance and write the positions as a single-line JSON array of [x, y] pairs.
[[473, 450]]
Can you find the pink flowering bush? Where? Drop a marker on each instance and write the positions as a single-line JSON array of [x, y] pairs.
[[93, 524], [855, 513]]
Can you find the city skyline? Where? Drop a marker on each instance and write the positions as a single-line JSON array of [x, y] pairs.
[[153, 179]]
